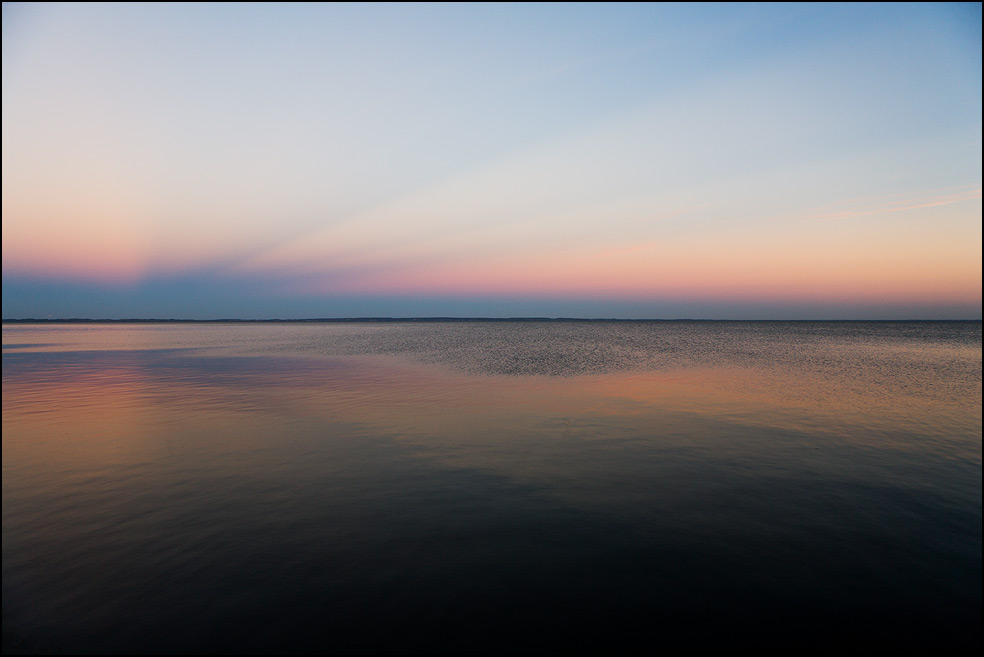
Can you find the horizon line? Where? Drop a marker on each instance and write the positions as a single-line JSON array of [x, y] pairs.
[[436, 318]]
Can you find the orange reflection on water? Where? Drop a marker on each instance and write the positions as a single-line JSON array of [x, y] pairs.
[[130, 407]]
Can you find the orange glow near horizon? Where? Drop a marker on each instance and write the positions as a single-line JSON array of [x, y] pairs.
[[443, 241], [819, 272], [111, 252]]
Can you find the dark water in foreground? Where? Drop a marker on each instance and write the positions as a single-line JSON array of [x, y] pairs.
[[491, 487]]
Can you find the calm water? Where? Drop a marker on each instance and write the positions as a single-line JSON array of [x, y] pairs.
[[490, 486]]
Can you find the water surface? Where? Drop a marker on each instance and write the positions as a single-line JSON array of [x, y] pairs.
[[490, 486]]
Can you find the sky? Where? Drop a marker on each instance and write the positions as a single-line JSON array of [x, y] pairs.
[[725, 161]]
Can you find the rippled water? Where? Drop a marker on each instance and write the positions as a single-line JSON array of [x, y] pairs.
[[491, 486]]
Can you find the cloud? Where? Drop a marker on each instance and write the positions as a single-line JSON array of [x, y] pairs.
[[929, 199]]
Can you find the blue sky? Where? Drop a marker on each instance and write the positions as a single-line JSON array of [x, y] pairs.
[[720, 161]]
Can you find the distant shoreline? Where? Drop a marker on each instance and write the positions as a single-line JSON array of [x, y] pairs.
[[424, 320]]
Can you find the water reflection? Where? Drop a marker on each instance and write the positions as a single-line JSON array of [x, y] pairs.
[[307, 487]]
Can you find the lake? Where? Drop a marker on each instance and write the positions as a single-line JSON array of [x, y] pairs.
[[491, 486]]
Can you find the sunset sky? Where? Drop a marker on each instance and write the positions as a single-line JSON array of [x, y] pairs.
[[650, 161]]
